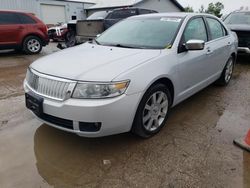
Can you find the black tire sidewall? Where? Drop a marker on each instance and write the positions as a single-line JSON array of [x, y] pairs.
[[222, 80], [138, 127], [70, 39], [25, 45]]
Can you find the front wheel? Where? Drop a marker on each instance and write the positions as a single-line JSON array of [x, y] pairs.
[[227, 73], [32, 45], [70, 39], [152, 112]]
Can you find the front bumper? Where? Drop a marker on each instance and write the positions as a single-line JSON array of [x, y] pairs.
[[244, 50], [115, 115]]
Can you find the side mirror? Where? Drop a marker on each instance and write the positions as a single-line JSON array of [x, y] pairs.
[[195, 45], [98, 35]]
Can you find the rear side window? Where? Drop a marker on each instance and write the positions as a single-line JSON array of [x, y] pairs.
[[196, 30], [122, 14], [25, 19], [216, 28], [9, 18]]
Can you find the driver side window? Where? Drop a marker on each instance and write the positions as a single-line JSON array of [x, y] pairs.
[[195, 29]]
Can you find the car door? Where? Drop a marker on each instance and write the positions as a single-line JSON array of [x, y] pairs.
[[10, 27], [220, 44], [193, 65]]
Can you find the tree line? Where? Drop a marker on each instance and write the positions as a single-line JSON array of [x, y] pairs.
[[213, 8]]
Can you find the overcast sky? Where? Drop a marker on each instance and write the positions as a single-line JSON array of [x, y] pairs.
[[230, 5]]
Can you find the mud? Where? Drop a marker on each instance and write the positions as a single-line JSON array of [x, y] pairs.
[[194, 149]]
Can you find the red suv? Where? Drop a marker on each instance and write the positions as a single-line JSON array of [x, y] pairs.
[[22, 31]]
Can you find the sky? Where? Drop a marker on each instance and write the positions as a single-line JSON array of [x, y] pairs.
[[230, 5]]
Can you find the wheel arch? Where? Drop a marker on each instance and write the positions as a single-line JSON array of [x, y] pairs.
[[161, 80], [168, 83], [234, 55], [35, 35]]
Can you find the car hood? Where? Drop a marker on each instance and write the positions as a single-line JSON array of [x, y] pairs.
[[89, 62], [239, 27]]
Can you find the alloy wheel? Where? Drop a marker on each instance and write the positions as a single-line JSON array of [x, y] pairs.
[[33, 45], [155, 111], [229, 71]]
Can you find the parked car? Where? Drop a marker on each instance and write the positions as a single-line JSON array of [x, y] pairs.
[[22, 31], [239, 22], [132, 75], [58, 32], [100, 21]]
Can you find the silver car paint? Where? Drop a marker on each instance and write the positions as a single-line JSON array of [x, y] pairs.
[[188, 71]]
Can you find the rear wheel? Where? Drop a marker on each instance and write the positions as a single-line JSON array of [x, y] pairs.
[[152, 112], [32, 45], [227, 73]]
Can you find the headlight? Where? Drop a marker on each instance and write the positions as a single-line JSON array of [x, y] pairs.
[[90, 90]]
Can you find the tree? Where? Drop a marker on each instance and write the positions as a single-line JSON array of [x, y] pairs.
[[189, 9], [215, 9], [202, 9]]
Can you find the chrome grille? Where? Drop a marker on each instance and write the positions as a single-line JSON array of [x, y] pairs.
[[45, 86]]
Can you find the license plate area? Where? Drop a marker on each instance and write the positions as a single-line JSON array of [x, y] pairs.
[[34, 103]]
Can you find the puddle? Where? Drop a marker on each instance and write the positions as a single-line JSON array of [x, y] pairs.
[[232, 125], [194, 149]]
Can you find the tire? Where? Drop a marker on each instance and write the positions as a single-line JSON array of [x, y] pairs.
[[152, 112], [227, 73], [32, 45], [70, 39]]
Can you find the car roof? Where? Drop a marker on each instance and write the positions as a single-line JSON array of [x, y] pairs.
[[241, 11], [16, 11], [172, 14], [132, 8]]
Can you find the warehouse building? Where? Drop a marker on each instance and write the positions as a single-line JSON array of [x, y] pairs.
[[157, 5], [50, 11]]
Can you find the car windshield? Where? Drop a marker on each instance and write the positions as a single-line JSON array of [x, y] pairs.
[[151, 33], [238, 18], [98, 15]]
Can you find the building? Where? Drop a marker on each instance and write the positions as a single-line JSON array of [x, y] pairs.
[[50, 11], [157, 5]]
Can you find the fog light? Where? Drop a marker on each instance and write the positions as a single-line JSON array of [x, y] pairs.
[[90, 127]]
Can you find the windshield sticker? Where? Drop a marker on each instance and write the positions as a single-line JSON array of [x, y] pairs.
[[170, 19], [168, 46]]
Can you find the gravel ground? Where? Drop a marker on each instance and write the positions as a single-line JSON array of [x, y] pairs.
[[194, 149]]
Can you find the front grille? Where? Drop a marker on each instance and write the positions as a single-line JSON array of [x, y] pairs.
[[51, 31], [244, 38], [46, 86]]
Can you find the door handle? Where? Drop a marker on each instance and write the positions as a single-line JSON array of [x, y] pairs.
[[209, 51]]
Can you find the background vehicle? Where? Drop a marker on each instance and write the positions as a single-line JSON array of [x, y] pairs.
[[58, 33], [239, 22], [131, 75], [22, 31], [100, 21]]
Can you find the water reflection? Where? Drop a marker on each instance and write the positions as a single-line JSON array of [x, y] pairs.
[[68, 160]]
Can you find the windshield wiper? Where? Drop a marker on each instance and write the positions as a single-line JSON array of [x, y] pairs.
[[123, 46]]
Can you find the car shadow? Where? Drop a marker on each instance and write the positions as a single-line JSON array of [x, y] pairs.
[[243, 59], [6, 53]]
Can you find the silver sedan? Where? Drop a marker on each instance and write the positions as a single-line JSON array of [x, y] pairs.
[[129, 77]]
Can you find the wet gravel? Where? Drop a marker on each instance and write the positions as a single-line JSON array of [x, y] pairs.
[[194, 149]]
